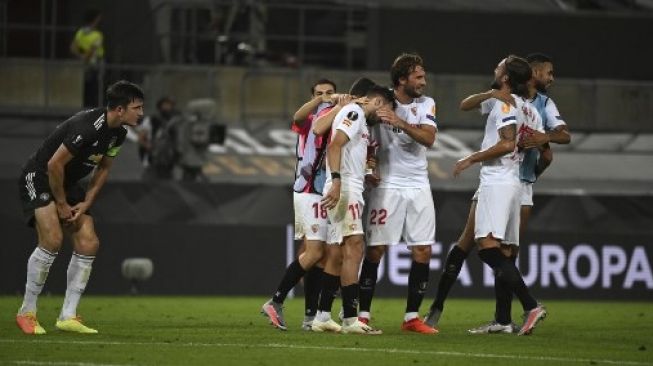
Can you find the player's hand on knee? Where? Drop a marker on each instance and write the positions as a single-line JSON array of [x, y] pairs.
[[78, 210], [64, 211]]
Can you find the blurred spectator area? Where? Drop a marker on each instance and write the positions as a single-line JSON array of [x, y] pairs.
[[257, 60], [248, 95]]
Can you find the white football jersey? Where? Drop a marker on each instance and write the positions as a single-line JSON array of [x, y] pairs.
[[401, 161], [351, 120], [505, 169], [545, 106]]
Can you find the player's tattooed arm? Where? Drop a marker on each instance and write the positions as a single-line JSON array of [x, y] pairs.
[[508, 133], [505, 145]]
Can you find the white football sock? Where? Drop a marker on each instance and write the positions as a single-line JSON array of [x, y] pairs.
[[79, 271], [323, 316], [38, 267], [364, 314], [410, 316]]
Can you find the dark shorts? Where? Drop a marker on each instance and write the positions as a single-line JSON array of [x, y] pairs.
[[35, 192]]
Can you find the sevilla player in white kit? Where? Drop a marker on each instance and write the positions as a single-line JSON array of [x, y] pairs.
[[497, 214], [402, 205], [346, 158]]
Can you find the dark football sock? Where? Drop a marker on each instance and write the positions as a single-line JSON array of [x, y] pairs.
[[506, 271], [418, 280], [452, 266], [350, 300], [312, 288], [503, 301], [293, 274], [330, 285], [367, 282]]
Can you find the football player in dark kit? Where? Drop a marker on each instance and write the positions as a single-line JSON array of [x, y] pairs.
[[55, 203]]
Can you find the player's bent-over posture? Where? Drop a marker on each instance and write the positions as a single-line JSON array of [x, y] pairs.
[[54, 202]]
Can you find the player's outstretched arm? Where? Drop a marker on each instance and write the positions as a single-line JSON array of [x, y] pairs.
[[323, 123], [506, 144], [305, 110], [474, 101]]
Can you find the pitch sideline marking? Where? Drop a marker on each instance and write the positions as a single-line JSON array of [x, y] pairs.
[[330, 348], [63, 363]]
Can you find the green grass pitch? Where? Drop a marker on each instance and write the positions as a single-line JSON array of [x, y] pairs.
[[230, 331]]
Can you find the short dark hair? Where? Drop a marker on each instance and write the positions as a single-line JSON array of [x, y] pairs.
[[123, 92], [322, 81], [537, 58], [403, 65], [361, 86], [519, 73], [383, 92], [90, 15]]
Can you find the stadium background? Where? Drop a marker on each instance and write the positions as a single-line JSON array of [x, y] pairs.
[[590, 235]]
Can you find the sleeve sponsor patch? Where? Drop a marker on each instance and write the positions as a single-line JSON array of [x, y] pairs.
[[353, 115], [347, 122], [505, 108]]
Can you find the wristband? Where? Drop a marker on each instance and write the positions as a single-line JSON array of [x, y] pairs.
[[335, 175]]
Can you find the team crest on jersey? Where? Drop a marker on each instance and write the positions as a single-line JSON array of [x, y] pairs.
[[505, 108], [352, 227], [353, 115], [413, 110], [315, 228], [45, 196]]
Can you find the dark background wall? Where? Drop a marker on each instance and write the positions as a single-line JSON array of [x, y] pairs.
[[227, 239], [583, 46]]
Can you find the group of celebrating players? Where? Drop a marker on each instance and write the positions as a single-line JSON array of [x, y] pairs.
[[369, 142], [372, 142]]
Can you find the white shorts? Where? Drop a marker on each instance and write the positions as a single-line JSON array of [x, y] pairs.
[[497, 212], [526, 194], [394, 213], [310, 218], [345, 219]]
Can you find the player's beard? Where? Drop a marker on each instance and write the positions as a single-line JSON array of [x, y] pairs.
[[540, 86], [412, 92]]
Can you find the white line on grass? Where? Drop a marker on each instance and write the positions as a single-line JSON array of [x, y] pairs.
[[63, 363], [352, 349]]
